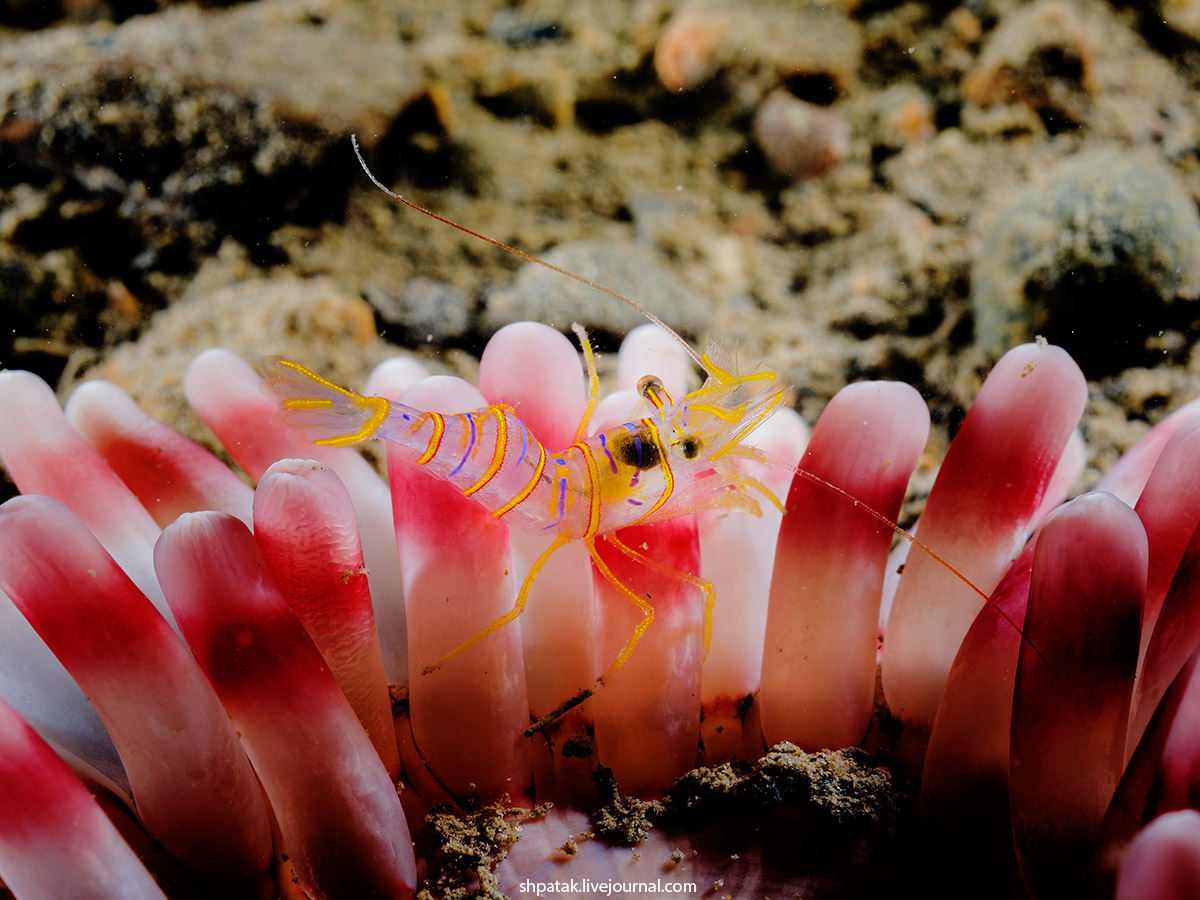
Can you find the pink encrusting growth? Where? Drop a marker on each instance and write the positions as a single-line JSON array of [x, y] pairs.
[[305, 528], [154, 701], [1074, 681], [339, 817], [978, 516], [469, 715], [55, 841], [818, 684]]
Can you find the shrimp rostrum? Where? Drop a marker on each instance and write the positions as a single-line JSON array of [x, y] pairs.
[[671, 459]]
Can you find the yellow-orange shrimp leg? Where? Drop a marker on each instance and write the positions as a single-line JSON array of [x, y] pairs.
[[518, 607], [710, 597], [647, 618], [644, 608]]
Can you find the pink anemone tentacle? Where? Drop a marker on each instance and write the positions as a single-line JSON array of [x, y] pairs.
[[737, 556], [818, 680], [977, 518], [657, 691], [229, 397], [305, 528], [168, 473], [154, 701], [45, 455], [1163, 862], [468, 716], [1074, 682], [55, 841], [339, 816], [536, 370]]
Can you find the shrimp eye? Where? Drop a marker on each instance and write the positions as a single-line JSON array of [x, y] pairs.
[[690, 446], [653, 392], [647, 385]]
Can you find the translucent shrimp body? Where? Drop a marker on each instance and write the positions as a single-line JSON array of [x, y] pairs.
[[671, 460]]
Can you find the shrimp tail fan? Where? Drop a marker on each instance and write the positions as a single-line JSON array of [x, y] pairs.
[[327, 414]]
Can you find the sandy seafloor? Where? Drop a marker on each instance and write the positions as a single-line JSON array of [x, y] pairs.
[[931, 182]]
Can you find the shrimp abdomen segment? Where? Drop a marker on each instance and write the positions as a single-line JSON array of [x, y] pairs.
[[491, 456], [488, 453]]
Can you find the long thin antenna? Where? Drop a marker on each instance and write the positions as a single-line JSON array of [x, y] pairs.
[[695, 357], [903, 533], [529, 257]]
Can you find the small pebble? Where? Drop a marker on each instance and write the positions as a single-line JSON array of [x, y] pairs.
[[689, 50], [800, 139]]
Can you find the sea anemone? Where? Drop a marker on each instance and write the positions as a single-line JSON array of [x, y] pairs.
[[182, 642]]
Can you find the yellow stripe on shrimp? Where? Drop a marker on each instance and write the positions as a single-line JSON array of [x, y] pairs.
[[497, 454], [435, 439], [593, 488], [522, 495], [665, 462]]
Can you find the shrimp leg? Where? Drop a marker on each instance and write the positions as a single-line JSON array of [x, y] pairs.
[[710, 595], [518, 608], [644, 608]]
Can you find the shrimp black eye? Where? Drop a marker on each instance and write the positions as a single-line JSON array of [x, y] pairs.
[[690, 446]]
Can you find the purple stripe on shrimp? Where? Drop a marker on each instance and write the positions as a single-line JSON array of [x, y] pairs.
[[562, 498], [604, 446], [470, 445], [524, 441]]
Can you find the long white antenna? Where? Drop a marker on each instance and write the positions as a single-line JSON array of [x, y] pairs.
[[695, 357]]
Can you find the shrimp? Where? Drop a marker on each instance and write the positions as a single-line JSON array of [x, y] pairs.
[[675, 458]]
